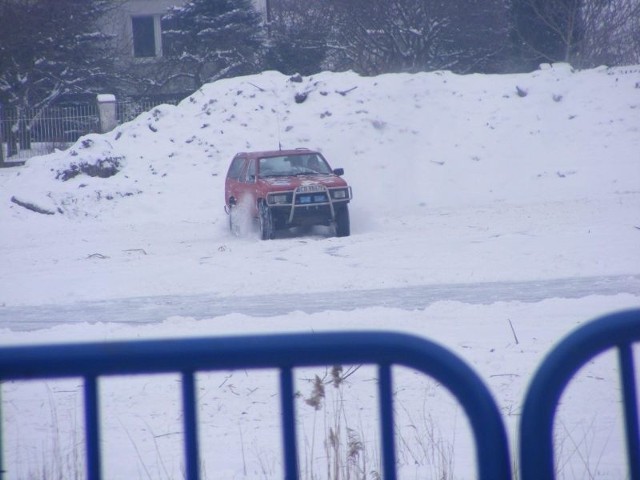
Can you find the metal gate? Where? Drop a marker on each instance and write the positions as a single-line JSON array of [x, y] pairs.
[[282, 352], [617, 331], [385, 349]]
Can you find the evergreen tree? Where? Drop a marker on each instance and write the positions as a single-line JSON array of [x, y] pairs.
[[210, 39], [48, 50]]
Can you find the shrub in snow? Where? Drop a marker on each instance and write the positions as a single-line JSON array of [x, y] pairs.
[[103, 168]]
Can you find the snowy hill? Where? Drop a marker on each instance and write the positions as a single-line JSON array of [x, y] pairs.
[[492, 184], [438, 138], [519, 170]]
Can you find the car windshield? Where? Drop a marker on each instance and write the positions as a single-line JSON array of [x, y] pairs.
[[287, 165]]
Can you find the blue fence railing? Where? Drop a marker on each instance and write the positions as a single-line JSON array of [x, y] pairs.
[[616, 331], [286, 352], [282, 352]]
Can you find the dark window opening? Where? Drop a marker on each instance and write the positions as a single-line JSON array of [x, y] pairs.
[[144, 36]]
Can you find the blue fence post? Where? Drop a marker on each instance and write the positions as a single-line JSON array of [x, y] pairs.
[[189, 412], [290, 449], [385, 395], [92, 428], [2, 472], [630, 402]]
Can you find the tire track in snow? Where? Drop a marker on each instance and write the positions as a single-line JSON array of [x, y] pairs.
[[154, 309]]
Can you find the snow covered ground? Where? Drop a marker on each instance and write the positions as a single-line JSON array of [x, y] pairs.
[[529, 204]]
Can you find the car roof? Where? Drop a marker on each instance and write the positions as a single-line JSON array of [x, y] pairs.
[[276, 153]]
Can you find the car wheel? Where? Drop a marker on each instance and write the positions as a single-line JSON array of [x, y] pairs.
[[266, 222], [343, 227]]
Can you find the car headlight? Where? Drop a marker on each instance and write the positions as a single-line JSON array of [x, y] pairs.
[[276, 198], [339, 194]]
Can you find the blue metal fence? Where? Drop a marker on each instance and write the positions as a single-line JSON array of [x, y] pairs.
[[282, 352], [286, 352], [619, 331]]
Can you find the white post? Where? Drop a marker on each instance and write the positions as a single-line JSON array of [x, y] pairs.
[[107, 112], [1, 140]]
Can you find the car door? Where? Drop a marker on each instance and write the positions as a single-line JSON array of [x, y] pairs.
[[234, 180], [247, 186]]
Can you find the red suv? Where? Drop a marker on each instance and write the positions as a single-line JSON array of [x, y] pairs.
[[286, 188]]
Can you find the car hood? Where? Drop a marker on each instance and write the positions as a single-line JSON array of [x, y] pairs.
[[293, 182]]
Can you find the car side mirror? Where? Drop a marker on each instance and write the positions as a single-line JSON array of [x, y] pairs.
[[338, 171]]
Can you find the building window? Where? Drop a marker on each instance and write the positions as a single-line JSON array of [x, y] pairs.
[[144, 37]]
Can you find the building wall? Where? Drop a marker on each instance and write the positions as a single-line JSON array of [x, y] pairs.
[[135, 26], [120, 24]]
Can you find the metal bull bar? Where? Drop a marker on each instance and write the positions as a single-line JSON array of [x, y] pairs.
[[310, 190]]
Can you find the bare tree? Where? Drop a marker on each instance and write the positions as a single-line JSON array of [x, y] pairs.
[[298, 32], [378, 36], [582, 32], [611, 33], [564, 19]]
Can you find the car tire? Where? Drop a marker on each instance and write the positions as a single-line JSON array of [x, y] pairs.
[[343, 226], [266, 222]]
